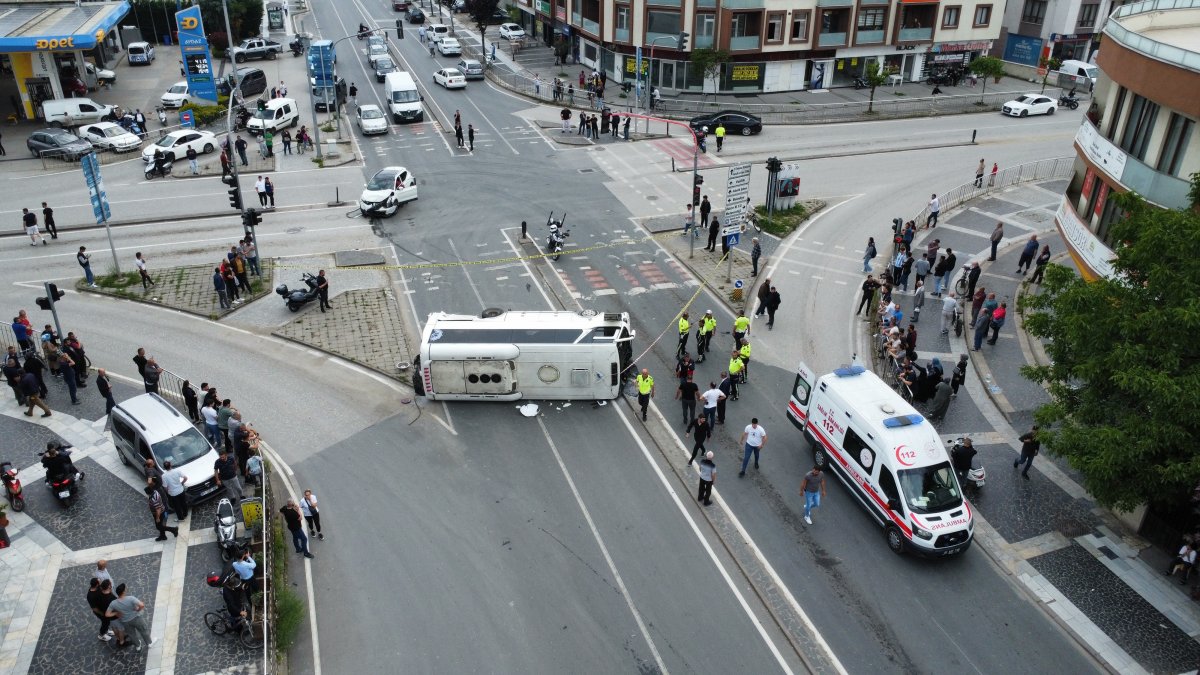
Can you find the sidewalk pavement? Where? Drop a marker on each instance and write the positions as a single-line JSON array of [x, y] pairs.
[[1099, 579]]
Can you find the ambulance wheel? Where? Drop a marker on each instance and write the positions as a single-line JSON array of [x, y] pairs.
[[820, 459], [491, 313], [895, 540]]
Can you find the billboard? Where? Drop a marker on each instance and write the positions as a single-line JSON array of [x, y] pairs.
[[1023, 49], [193, 47]]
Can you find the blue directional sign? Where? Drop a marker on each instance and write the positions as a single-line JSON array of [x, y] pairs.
[[91, 173], [738, 283], [197, 62], [732, 240]]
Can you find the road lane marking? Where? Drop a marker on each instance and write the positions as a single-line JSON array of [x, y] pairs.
[[612, 567]]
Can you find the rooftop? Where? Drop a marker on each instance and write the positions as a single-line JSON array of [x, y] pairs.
[[1166, 30]]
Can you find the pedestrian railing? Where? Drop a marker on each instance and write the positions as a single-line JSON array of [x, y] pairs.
[[1059, 167], [170, 387]]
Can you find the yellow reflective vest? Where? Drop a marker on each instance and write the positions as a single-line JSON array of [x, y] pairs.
[[745, 352], [741, 325], [707, 325], [683, 326], [735, 366], [645, 383]]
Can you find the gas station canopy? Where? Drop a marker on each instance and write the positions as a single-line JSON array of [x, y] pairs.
[[41, 27]]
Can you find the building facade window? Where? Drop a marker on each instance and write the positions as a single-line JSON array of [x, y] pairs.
[[983, 15], [775, 26], [662, 23], [1034, 12], [799, 31], [745, 24], [871, 18], [1143, 113], [1087, 16], [1115, 115], [1175, 144], [621, 16], [706, 25], [950, 16]]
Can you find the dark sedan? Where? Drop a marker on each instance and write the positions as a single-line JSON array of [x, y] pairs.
[[382, 66], [57, 143], [735, 122], [415, 15]]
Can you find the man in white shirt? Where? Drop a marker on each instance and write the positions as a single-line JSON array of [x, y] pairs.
[[935, 207], [754, 439], [949, 304], [173, 480], [712, 397]]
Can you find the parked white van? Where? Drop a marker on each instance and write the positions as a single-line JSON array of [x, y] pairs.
[[403, 99], [140, 53], [889, 457], [275, 114], [1081, 73], [71, 112], [148, 426], [437, 31]]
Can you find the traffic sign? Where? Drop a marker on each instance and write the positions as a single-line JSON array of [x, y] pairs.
[[737, 191], [738, 283], [732, 240], [732, 229], [91, 173], [187, 120]]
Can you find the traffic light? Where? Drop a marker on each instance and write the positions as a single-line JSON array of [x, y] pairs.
[[54, 295], [249, 219], [683, 41], [262, 105], [699, 180], [774, 165], [54, 292], [399, 29], [43, 303], [235, 191]]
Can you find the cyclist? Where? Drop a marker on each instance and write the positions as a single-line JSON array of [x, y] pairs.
[[235, 601]]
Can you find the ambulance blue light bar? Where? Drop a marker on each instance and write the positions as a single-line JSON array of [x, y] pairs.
[[902, 421], [850, 371]]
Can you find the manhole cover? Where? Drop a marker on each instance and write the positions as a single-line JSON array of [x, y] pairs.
[[586, 170]]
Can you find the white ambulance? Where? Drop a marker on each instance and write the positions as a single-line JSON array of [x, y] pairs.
[[888, 455]]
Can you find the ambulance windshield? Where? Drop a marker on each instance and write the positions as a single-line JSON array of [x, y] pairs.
[[931, 489]]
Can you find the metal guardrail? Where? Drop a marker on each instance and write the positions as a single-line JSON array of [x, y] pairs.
[[1059, 167]]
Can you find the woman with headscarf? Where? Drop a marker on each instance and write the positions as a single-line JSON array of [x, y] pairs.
[[934, 374], [941, 401]]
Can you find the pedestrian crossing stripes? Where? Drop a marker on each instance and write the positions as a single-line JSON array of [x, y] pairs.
[[682, 150]]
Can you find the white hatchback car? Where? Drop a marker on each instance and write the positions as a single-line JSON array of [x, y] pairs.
[[1029, 104], [450, 78], [110, 136], [371, 120], [390, 188], [176, 96], [449, 46], [175, 144], [511, 31]]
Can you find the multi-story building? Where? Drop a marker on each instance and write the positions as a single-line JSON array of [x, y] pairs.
[[1068, 28], [1140, 133], [774, 45]]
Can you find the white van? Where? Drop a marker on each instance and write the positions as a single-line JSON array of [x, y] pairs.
[[70, 112], [148, 426], [403, 99], [436, 31], [1080, 73], [140, 53], [275, 114], [889, 457]]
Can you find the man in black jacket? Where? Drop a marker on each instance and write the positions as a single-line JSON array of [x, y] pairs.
[[703, 433]]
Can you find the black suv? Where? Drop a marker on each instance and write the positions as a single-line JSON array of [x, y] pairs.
[[415, 15], [254, 82]]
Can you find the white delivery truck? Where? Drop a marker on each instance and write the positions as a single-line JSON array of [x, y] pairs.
[[889, 457], [403, 99]]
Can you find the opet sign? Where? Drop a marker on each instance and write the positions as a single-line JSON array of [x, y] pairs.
[[55, 43]]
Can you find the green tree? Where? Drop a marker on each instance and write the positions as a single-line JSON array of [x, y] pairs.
[[1124, 378], [709, 61], [987, 67], [1050, 65], [481, 12], [875, 76]]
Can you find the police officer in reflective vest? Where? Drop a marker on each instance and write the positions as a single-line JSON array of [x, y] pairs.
[[708, 326], [645, 385], [741, 326], [735, 373], [720, 135], [684, 327], [744, 354]]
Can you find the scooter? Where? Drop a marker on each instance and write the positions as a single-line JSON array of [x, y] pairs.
[[64, 487], [12, 486], [162, 115], [860, 83], [225, 527], [557, 238], [299, 297], [974, 477], [152, 169]]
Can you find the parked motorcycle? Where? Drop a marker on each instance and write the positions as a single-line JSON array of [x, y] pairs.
[[12, 486], [298, 298], [296, 47], [225, 527], [860, 83], [162, 115], [1068, 101], [62, 478], [975, 476], [557, 239]]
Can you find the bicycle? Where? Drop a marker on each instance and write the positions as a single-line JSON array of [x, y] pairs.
[[960, 286], [221, 623]]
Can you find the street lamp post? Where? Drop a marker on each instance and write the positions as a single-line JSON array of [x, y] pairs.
[[648, 105]]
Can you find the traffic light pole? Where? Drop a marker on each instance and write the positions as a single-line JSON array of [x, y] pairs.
[[695, 187], [53, 309]]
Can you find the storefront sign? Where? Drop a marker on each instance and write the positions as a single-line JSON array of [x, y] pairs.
[[1101, 198], [1100, 151], [193, 47], [749, 73], [1089, 179], [1022, 49], [544, 7], [93, 26], [1094, 258], [561, 13], [981, 45]]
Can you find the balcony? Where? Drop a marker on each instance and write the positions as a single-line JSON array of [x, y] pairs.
[[622, 35], [831, 39], [592, 27], [835, 3], [703, 41], [706, 4], [1168, 20], [744, 4], [1157, 188], [743, 42], [865, 37], [915, 34]]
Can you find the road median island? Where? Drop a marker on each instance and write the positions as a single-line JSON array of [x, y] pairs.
[[188, 288]]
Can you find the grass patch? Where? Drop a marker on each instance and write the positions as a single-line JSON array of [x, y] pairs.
[[782, 223], [289, 609]]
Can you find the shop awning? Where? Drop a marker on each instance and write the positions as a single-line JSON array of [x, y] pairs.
[[57, 27]]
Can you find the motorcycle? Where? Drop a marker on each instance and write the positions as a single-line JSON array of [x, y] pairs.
[[64, 486], [225, 527], [557, 238], [299, 297], [1068, 101], [12, 486], [241, 118], [296, 47], [975, 476], [860, 83]]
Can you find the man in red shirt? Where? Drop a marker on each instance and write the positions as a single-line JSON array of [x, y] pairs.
[[998, 321]]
